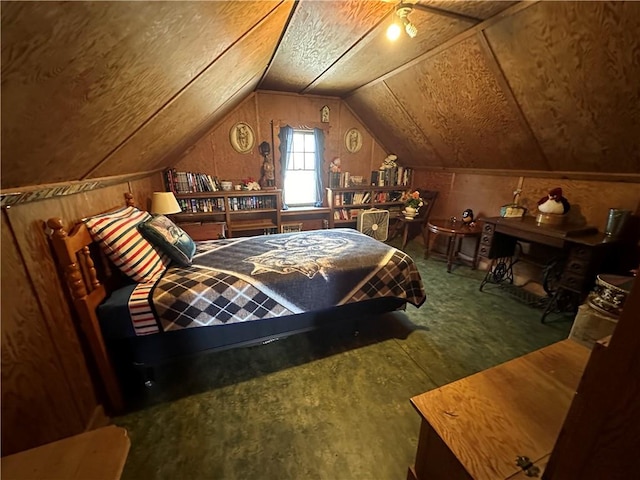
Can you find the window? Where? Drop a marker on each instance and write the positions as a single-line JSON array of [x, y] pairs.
[[302, 166]]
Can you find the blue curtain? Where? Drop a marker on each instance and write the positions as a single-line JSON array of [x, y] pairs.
[[318, 135], [286, 144]]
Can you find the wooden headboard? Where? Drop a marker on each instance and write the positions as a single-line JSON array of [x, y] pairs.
[[89, 277]]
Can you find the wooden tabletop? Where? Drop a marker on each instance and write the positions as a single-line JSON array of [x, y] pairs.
[[513, 409], [528, 229], [97, 455], [458, 227]]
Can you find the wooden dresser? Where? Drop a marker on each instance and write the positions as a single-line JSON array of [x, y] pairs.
[[476, 427]]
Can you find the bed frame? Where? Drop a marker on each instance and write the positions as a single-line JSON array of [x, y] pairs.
[[90, 278]]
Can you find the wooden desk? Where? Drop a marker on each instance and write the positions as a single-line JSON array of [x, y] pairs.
[[97, 455], [454, 230], [475, 428], [582, 251]]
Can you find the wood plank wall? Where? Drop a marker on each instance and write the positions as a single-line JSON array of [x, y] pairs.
[[485, 193], [45, 378], [214, 154], [47, 388]]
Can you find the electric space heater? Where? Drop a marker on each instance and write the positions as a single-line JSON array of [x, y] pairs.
[[375, 223]]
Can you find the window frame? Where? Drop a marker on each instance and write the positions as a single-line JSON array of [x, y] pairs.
[[295, 160]]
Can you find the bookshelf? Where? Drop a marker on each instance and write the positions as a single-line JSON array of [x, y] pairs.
[[389, 177], [232, 213], [346, 203]]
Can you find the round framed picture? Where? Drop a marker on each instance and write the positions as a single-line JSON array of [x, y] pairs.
[[242, 137], [353, 140]]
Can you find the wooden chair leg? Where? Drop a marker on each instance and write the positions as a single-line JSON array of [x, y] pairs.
[[405, 235]]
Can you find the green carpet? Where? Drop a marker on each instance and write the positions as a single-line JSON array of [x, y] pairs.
[[329, 404]]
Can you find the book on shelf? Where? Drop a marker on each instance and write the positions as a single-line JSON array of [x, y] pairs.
[[189, 182], [390, 177], [257, 202], [201, 205]]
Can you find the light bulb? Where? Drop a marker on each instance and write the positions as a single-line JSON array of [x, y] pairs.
[[411, 29], [393, 32]]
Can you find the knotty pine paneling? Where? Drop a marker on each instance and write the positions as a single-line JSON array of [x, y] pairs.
[[391, 125], [80, 77], [38, 405], [457, 102], [240, 64], [376, 55], [54, 315], [319, 33], [574, 69]]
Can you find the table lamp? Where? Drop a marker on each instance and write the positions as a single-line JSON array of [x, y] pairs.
[[164, 203]]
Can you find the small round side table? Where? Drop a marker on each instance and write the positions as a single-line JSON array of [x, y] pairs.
[[454, 229]]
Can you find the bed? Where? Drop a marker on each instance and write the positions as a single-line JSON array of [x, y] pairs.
[[231, 292]]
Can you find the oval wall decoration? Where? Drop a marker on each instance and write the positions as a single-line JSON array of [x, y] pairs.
[[242, 137], [353, 140]]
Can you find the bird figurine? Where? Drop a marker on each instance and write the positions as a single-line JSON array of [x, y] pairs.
[[554, 202], [467, 216]]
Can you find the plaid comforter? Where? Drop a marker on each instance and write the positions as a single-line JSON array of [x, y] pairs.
[[244, 279]]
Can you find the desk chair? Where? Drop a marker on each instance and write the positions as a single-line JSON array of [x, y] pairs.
[[411, 227]]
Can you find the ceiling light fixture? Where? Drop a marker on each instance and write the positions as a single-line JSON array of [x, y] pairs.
[[402, 21], [394, 31]]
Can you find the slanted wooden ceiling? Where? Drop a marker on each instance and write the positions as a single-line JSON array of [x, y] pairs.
[[97, 89]]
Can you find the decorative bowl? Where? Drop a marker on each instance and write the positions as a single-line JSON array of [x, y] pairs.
[[550, 218], [609, 293]]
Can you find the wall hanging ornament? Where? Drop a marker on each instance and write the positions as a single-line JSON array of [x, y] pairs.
[[324, 114], [241, 137], [353, 140]]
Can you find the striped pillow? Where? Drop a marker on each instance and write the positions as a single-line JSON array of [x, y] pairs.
[[119, 238]]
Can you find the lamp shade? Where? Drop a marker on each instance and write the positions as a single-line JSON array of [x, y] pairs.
[[164, 203]]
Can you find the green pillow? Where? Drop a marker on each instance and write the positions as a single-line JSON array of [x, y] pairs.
[[169, 239]]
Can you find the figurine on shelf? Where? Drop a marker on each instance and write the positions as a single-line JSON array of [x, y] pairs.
[[467, 217], [268, 179], [334, 166], [250, 184], [389, 162]]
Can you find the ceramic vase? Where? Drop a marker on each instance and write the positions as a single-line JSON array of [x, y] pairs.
[[410, 212]]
